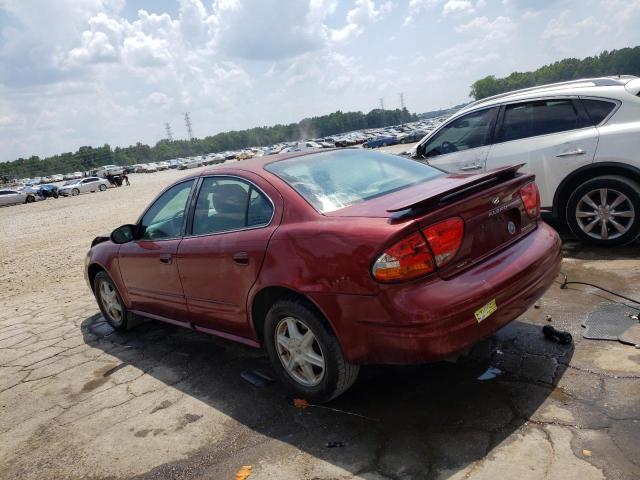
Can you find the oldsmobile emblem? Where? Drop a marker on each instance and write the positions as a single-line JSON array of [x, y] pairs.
[[495, 201]]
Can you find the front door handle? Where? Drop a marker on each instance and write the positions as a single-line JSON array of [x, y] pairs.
[[571, 153], [475, 166], [241, 258], [166, 258]]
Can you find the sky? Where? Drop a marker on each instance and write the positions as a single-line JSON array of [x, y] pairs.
[[95, 72]]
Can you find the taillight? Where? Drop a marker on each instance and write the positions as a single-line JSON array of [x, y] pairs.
[[444, 239], [408, 259], [531, 199], [415, 257]]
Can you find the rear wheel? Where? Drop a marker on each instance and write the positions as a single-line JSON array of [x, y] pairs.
[[75, 192], [30, 199], [111, 304], [605, 211], [305, 353], [102, 187]]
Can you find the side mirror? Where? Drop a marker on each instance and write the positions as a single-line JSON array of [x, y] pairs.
[[123, 234]]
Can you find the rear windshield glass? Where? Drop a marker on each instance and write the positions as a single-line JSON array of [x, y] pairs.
[[334, 180], [598, 110]]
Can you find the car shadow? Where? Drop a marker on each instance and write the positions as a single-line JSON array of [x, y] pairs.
[[415, 421]]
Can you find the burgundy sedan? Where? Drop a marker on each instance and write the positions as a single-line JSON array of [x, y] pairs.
[[331, 260]]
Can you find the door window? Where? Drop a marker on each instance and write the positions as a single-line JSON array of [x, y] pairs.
[[225, 204], [165, 217], [597, 110], [541, 117], [469, 131]]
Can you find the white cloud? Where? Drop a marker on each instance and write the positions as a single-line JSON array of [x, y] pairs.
[[561, 28], [364, 13], [453, 7], [499, 29]]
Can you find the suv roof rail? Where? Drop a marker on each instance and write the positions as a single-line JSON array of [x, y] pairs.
[[618, 80]]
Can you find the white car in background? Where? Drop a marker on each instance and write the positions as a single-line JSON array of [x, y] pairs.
[[89, 184], [11, 197], [580, 138]]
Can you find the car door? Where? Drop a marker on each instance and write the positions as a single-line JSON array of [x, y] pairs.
[[219, 261], [148, 264], [462, 144], [550, 136], [8, 197]]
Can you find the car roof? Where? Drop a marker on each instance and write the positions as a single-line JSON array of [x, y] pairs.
[[586, 86]]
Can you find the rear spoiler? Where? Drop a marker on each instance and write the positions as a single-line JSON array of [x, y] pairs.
[[455, 186]]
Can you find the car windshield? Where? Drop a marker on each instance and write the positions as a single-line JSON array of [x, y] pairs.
[[334, 180]]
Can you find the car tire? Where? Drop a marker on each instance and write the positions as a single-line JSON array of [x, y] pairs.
[[75, 192], [329, 375], [30, 199], [610, 200], [111, 304], [102, 187]]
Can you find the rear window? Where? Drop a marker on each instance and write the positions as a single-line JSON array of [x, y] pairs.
[[542, 117], [598, 110], [334, 180]]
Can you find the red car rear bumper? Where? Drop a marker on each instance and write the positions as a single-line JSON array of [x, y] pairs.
[[431, 320]]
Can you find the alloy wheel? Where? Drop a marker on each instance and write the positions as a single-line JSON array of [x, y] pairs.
[[605, 214], [111, 302], [299, 351]]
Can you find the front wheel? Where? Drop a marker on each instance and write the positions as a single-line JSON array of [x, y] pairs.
[[75, 192], [305, 353], [111, 304], [102, 187], [30, 199], [605, 211]]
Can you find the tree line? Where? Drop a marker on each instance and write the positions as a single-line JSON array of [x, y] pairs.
[[625, 61], [87, 158]]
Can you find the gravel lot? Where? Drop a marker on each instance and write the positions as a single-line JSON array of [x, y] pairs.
[[80, 401]]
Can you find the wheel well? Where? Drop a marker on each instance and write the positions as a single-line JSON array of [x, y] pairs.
[[94, 268], [580, 176], [265, 299]]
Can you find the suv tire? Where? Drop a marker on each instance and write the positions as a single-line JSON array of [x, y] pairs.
[[605, 211], [295, 332]]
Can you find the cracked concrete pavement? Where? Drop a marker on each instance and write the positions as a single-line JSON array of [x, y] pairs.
[[78, 400]]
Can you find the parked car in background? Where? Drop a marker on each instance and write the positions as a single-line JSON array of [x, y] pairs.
[[89, 184], [109, 170], [382, 141], [579, 138], [11, 197], [388, 260], [48, 191]]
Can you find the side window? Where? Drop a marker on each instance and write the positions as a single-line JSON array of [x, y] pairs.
[[469, 131], [597, 110], [541, 117], [165, 217], [226, 204]]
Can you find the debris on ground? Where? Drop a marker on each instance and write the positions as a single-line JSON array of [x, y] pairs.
[[608, 322], [489, 374], [300, 403], [244, 472], [548, 317], [335, 444], [560, 336], [257, 378], [631, 335], [586, 453]]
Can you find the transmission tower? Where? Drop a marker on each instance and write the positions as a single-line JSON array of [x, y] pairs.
[[381, 103], [167, 128], [402, 101], [187, 122]]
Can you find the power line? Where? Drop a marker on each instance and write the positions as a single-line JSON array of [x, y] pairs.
[[167, 128], [187, 122]]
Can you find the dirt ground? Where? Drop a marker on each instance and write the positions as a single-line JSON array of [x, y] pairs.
[[80, 401]]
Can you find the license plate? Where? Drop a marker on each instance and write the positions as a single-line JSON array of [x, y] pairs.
[[484, 312]]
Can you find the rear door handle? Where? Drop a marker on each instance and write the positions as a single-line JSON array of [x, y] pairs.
[[471, 167], [241, 258], [571, 153], [165, 257]]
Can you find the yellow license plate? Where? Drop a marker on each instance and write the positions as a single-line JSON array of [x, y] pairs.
[[484, 312]]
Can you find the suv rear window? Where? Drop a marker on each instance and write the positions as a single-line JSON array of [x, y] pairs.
[[598, 110], [541, 117], [334, 180]]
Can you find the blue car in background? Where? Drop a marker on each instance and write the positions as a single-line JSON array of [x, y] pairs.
[[380, 142]]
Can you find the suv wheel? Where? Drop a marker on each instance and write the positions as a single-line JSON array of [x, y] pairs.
[[605, 211], [305, 354]]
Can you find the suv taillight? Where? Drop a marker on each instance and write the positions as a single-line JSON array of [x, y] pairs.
[[531, 199], [415, 257]]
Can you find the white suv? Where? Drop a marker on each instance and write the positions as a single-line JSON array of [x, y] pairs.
[[581, 139]]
